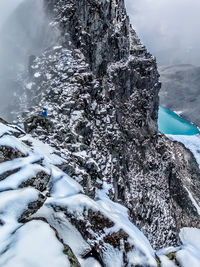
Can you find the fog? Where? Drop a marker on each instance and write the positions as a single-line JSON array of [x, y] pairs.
[[24, 31], [6, 8], [169, 28]]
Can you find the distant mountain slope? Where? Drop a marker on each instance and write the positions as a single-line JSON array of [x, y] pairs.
[[26, 32], [180, 90]]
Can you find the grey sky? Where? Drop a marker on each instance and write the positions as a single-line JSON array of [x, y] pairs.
[[169, 28], [24, 31], [6, 8]]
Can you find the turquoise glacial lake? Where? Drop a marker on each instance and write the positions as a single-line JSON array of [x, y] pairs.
[[170, 123]]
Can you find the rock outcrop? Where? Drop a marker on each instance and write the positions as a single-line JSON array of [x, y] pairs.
[[100, 87]]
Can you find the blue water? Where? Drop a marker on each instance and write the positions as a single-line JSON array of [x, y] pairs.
[[170, 123]]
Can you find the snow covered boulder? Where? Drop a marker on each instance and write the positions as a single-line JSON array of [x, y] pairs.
[[77, 230]]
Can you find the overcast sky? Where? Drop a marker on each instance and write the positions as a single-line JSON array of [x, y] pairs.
[[6, 8], [169, 28]]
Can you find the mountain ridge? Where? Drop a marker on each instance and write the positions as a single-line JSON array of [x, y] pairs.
[[100, 86], [107, 125]]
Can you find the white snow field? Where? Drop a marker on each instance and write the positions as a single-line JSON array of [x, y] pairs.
[[190, 254], [35, 243]]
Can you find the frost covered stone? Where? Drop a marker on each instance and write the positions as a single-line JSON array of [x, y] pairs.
[[102, 100], [105, 176]]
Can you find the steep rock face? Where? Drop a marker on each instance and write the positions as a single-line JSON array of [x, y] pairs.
[[100, 86], [184, 181]]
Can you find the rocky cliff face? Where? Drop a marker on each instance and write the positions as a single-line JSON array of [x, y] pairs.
[[100, 86]]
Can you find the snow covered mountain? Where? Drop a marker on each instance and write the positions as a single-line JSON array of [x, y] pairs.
[[46, 218], [44, 211], [98, 176]]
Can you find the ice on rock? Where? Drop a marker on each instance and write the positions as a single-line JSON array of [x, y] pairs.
[[57, 47], [48, 75], [89, 262], [35, 244], [119, 215], [189, 255], [63, 185], [6, 129], [142, 253], [14, 143], [193, 201], [12, 205], [14, 202], [190, 236], [45, 150], [37, 75], [18, 163], [25, 173], [191, 142], [29, 85], [166, 262], [69, 233]]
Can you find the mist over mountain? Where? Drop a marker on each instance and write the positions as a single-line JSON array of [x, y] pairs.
[[91, 182], [169, 29], [6, 8], [180, 90], [25, 32]]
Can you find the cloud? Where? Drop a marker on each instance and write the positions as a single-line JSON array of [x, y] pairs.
[[169, 28], [6, 8], [25, 31]]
